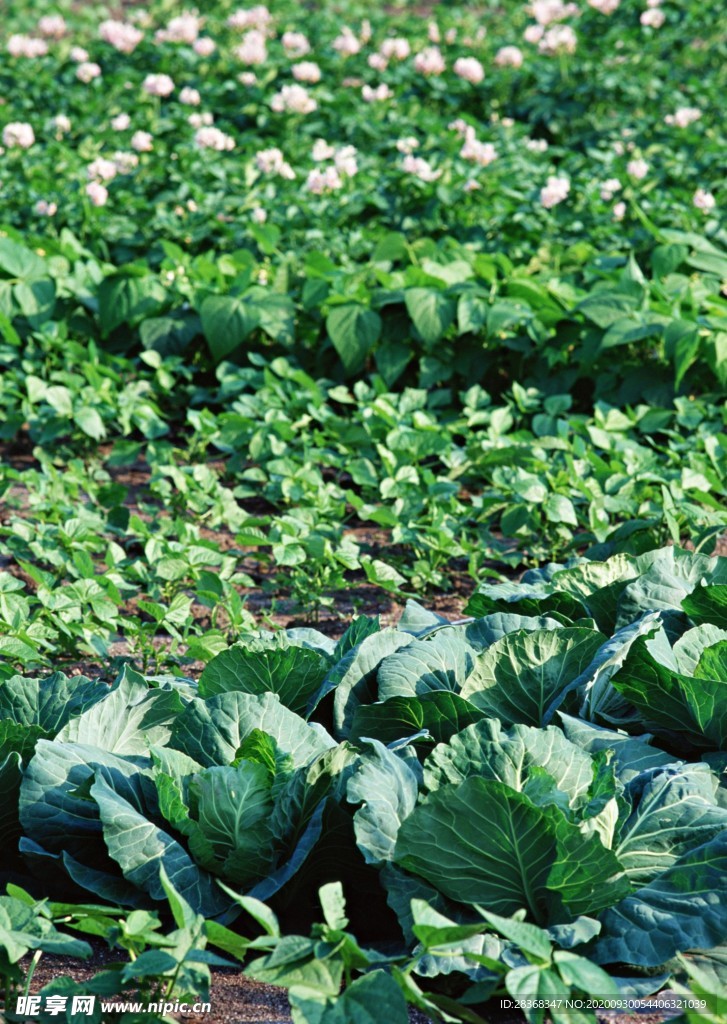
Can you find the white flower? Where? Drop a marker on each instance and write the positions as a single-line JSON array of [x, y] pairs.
[[323, 180], [652, 18], [407, 145], [18, 134], [294, 99], [87, 71], [121, 122], [101, 170], [252, 50], [158, 85], [204, 46], [97, 193], [306, 71], [258, 215], [295, 44], [346, 44], [371, 94], [395, 49], [26, 46], [190, 97], [547, 11], [430, 61], [637, 168], [482, 153], [608, 189], [142, 142], [554, 192], [213, 138], [120, 35], [184, 28], [125, 162], [619, 211], [52, 26], [258, 17], [62, 124], [345, 161], [509, 57], [420, 168], [703, 200], [321, 150], [605, 6], [470, 69], [78, 55], [683, 117], [558, 39], [46, 209]]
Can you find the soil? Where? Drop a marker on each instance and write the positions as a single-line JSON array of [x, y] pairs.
[[235, 999]]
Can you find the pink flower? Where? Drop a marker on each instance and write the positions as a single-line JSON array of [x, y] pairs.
[[652, 18], [295, 44], [97, 193], [470, 69], [345, 161], [554, 192], [101, 170], [482, 153], [204, 46], [533, 34], [258, 17], [326, 180], [683, 117], [346, 43], [637, 168], [121, 122], [26, 46], [420, 168], [306, 71], [52, 26], [558, 39], [203, 120], [258, 215], [547, 11], [125, 162], [619, 211], [142, 142], [433, 33], [608, 189], [376, 94], [190, 97], [18, 134], [509, 57], [407, 145], [213, 138], [252, 50], [293, 99], [430, 61], [471, 185], [62, 124], [397, 48], [120, 35], [87, 71], [158, 85], [377, 62], [78, 55], [605, 6], [703, 200], [248, 78], [321, 150], [184, 28], [45, 209], [271, 161]]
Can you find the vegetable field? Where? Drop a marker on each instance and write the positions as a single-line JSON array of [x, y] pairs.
[[363, 465]]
